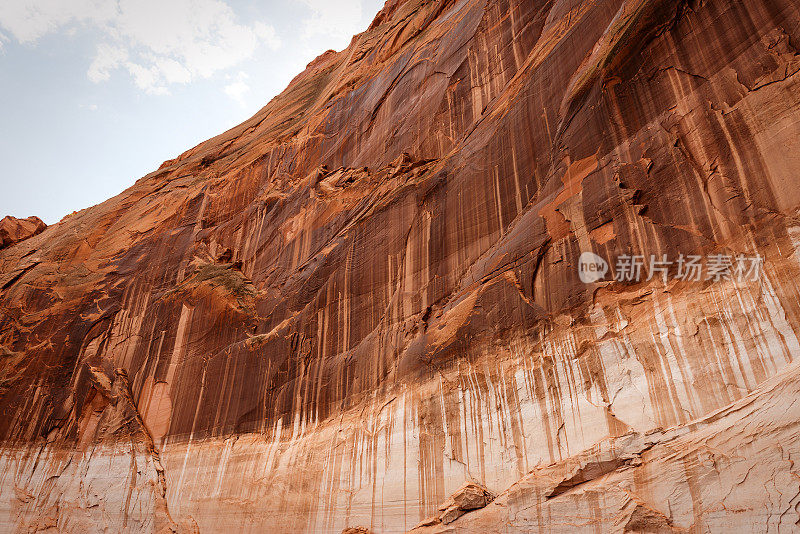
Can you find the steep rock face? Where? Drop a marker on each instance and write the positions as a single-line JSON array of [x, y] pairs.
[[337, 313], [13, 230], [708, 466]]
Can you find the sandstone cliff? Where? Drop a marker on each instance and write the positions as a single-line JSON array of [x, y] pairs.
[[341, 311], [13, 230]]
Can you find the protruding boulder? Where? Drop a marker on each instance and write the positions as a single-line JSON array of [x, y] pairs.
[[471, 497], [13, 230], [468, 497]]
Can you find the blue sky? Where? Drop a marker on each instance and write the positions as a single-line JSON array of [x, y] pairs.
[[94, 94]]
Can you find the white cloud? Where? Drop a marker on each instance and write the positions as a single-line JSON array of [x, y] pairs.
[[106, 59], [238, 88], [340, 19], [172, 71], [90, 107], [28, 20], [147, 79], [157, 42], [267, 33]]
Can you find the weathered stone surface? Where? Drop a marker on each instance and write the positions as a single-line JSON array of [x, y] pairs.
[[13, 230], [345, 308], [449, 515], [69, 490], [468, 497], [705, 466], [471, 497]]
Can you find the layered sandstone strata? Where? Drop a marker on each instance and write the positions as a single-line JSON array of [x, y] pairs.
[[341, 311]]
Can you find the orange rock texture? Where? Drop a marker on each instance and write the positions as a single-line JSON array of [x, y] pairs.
[[362, 307], [13, 230]]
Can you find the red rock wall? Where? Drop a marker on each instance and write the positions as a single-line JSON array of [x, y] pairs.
[[13, 230], [339, 311]]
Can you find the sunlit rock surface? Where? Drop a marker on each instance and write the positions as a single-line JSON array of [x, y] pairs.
[[338, 313], [13, 230]]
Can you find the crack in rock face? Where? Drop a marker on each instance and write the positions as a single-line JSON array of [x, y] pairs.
[[362, 309]]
